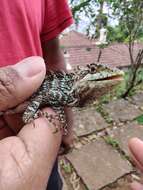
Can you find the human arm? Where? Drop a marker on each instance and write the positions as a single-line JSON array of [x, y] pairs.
[[54, 59]]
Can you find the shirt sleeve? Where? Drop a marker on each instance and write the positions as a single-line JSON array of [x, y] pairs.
[[57, 17]]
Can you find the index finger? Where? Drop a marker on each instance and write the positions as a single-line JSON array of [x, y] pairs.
[[136, 149]]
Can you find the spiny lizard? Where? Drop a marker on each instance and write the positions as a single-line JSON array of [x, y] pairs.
[[74, 89]]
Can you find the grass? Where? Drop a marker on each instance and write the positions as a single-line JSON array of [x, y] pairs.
[[139, 119], [105, 115], [123, 86], [120, 89], [113, 142], [66, 166]]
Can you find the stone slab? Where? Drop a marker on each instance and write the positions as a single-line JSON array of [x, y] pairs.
[[65, 187], [87, 121], [123, 134], [98, 164], [121, 110], [138, 99], [121, 184]]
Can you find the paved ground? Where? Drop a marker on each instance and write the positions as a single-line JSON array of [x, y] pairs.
[[100, 159], [88, 121], [122, 110]]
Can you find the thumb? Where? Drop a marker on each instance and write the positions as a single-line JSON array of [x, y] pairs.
[[19, 81], [136, 186]]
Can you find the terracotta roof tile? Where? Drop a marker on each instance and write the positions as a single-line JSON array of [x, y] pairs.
[[75, 39], [82, 51]]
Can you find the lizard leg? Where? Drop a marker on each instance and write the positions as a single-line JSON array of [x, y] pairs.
[[51, 118], [31, 112], [60, 116]]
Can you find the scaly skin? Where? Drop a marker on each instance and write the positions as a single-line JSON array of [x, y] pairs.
[[80, 87]]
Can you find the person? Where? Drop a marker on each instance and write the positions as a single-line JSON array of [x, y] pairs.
[[30, 29], [136, 149]]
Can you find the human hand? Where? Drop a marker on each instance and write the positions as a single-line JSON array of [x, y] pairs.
[[136, 149], [17, 83], [26, 160]]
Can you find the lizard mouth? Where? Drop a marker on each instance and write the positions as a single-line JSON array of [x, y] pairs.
[[116, 77], [104, 77]]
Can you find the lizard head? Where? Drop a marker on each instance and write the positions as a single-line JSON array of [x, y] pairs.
[[95, 80]]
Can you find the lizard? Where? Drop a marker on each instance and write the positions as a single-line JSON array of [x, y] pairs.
[[74, 89]]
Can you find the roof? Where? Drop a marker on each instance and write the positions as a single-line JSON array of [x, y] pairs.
[[75, 39], [82, 51]]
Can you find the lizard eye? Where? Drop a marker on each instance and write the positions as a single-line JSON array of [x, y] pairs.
[[93, 69]]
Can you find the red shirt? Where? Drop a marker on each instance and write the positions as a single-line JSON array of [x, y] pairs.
[[24, 24]]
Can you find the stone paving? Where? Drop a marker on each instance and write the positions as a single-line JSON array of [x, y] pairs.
[[123, 134], [138, 99], [92, 121], [99, 164], [122, 110], [95, 159]]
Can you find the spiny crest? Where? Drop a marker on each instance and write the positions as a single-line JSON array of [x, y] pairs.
[[60, 75], [93, 70]]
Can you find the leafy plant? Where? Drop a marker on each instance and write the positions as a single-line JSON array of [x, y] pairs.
[[66, 166], [111, 141], [139, 119]]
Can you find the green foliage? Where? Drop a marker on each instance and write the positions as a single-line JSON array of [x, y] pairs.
[[138, 83], [141, 38], [91, 10], [120, 89], [139, 119], [66, 166], [117, 34], [113, 142], [78, 6], [129, 13], [104, 114]]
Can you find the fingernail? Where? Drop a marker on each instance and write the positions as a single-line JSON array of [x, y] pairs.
[[30, 67]]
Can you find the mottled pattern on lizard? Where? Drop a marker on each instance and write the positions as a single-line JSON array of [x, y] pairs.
[[60, 89]]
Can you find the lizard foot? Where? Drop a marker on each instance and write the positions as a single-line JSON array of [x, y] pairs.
[[51, 118]]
